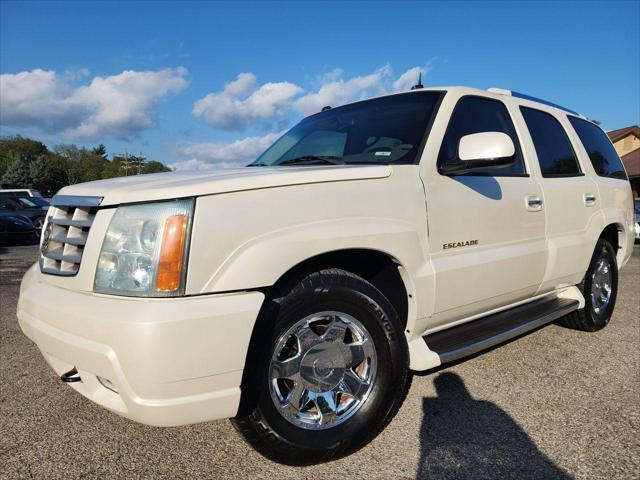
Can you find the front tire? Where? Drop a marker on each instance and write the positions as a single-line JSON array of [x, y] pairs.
[[38, 223], [600, 289], [332, 374]]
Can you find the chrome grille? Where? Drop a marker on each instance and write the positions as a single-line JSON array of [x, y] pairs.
[[65, 233]]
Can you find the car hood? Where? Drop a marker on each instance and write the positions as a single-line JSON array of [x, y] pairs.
[[161, 186]]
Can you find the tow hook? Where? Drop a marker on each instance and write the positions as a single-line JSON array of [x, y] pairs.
[[71, 376]]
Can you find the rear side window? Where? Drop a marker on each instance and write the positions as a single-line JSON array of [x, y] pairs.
[[554, 151], [477, 115], [603, 156]]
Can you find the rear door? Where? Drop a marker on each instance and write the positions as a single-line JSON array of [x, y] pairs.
[[570, 198], [486, 229]]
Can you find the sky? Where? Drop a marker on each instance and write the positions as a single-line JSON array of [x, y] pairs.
[[201, 85]]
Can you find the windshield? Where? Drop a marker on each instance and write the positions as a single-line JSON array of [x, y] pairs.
[[637, 206], [380, 131]]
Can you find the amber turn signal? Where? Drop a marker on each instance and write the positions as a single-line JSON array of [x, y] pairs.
[[171, 253]]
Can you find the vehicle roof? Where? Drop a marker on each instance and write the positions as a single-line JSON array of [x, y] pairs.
[[497, 93]]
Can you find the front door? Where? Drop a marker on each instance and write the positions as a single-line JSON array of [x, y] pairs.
[[486, 229]]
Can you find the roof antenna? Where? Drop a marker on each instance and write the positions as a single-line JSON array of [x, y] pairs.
[[325, 108], [418, 85]]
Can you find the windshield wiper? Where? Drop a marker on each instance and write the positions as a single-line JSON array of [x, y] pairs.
[[313, 159]]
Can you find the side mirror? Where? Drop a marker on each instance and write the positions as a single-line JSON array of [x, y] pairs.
[[481, 150]]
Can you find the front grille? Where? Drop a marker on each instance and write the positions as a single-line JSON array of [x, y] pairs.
[[65, 233]]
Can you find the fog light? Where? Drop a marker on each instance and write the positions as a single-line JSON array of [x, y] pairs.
[[106, 383]]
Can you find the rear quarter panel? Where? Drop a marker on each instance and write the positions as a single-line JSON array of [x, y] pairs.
[[617, 207]]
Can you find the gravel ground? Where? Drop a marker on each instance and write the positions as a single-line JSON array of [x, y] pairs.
[[553, 404]]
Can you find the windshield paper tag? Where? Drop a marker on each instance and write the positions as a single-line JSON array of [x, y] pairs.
[[383, 154]]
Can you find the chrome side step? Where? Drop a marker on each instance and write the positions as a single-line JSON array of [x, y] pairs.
[[469, 338]]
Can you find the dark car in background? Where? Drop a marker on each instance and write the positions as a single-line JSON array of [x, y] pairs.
[[34, 208], [15, 229]]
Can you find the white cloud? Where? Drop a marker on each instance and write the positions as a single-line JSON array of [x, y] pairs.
[[193, 164], [330, 76], [118, 105], [216, 155], [241, 104], [336, 91]]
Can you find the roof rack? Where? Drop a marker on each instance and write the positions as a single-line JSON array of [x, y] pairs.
[[511, 93]]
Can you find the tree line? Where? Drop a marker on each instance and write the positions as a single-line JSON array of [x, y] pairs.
[[27, 163]]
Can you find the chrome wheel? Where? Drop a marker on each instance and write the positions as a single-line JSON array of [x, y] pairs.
[[601, 286], [322, 370]]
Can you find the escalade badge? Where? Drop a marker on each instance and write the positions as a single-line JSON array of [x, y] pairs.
[[466, 243], [46, 234]]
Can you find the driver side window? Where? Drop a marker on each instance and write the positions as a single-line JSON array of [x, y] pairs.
[[477, 115]]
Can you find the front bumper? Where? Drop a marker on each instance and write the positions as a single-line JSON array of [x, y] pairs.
[[172, 361]]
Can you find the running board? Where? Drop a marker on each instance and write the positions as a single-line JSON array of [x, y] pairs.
[[472, 337]]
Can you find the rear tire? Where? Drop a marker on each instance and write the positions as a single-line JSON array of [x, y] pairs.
[[599, 299], [270, 428]]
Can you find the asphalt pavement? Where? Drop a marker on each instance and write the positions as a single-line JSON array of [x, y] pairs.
[[554, 404]]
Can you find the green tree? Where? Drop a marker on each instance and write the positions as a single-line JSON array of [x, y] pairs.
[[17, 175], [19, 148], [29, 163], [7, 159], [100, 151], [155, 167], [48, 174]]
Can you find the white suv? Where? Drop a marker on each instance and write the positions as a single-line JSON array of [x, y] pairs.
[[296, 295]]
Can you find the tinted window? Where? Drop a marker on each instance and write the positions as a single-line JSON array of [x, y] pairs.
[[383, 130], [554, 151], [604, 157], [8, 203], [476, 115], [37, 201]]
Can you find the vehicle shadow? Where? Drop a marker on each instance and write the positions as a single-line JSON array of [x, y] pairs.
[[464, 438], [487, 186]]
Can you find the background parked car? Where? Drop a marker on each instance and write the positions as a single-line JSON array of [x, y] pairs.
[[16, 229], [34, 208], [19, 192]]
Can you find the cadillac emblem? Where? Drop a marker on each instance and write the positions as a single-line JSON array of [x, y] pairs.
[[46, 234]]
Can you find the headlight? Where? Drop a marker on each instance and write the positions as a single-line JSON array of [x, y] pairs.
[[145, 250]]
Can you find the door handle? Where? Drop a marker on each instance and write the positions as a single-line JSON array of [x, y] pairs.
[[534, 203], [589, 199]]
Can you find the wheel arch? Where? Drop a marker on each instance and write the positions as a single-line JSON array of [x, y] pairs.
[[614, 233], [379, 268]]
